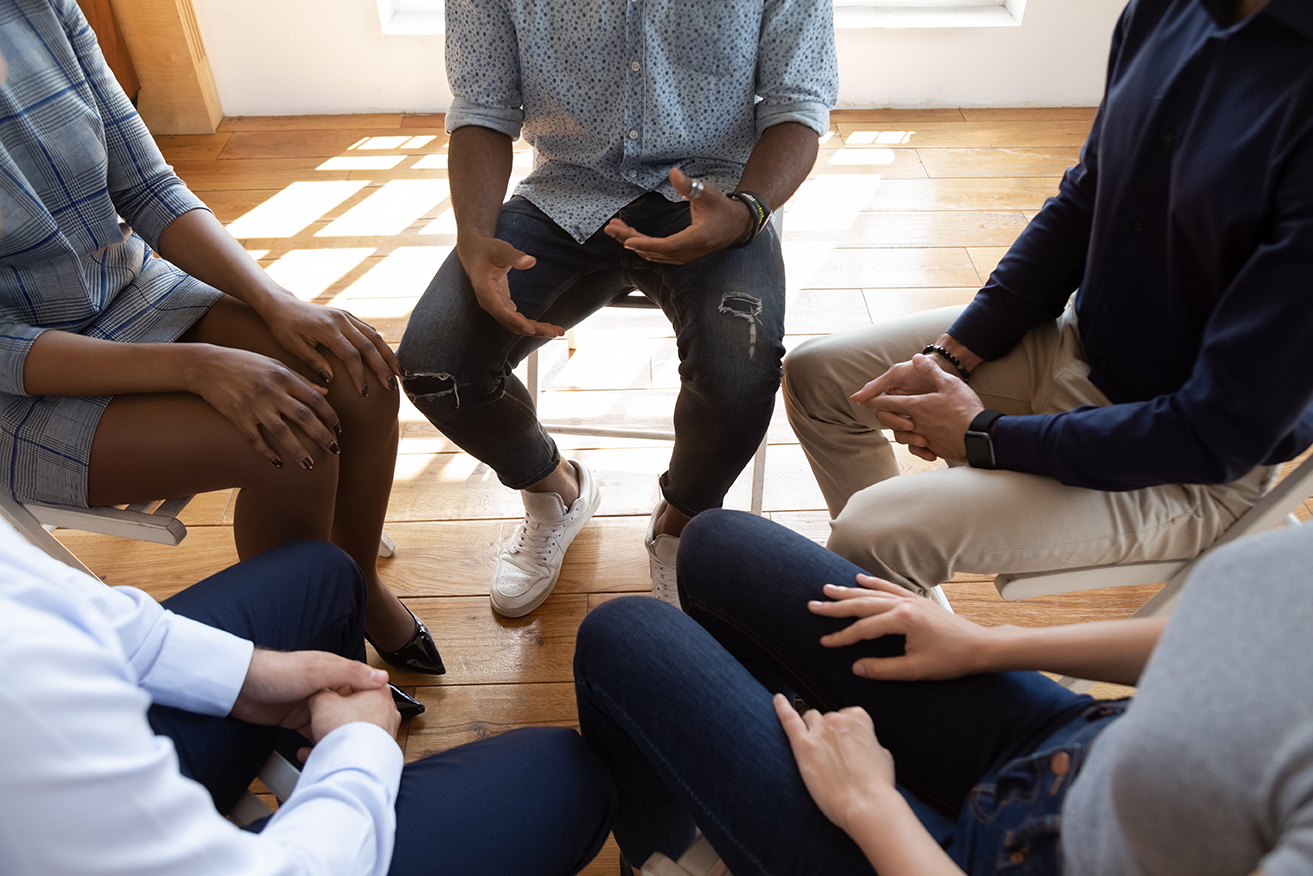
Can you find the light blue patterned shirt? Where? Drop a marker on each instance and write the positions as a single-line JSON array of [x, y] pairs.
[[611, 94]]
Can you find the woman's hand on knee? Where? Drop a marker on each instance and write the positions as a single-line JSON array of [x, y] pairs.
[[846, 769], [939, 644], [262, 396], [302, 328]]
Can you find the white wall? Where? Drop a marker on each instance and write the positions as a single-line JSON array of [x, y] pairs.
[[273, 57]]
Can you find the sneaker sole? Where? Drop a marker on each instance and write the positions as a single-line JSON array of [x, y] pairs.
[[521, 611]]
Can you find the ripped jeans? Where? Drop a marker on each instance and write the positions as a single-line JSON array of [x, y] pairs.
[[727, 309]]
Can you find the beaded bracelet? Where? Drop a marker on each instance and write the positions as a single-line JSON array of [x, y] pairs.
[[956, 362], [759, 211]]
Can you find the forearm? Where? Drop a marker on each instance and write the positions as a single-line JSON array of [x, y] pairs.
[[62, 363], [1114, 651], [895, 841], [780, 162], [197, 243], [479, 166]]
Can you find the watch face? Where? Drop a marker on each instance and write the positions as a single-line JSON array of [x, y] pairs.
[[980, 450]]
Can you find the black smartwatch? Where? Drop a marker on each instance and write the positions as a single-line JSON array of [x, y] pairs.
[[980, 444]]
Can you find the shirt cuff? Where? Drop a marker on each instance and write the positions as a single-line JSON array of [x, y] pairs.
[[16, 342], [983, 330], [814, 115], [199, 669], [465, 112], [358, 746], [157, 212], [1018, 443]]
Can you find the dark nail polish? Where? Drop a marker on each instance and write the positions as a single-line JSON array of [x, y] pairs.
[[325, 376], [333, 448], [307, 463], [276, 462], [392, 382], [337, 427], [364, 390]]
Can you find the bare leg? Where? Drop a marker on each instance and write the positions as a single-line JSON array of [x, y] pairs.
[[152, 446]]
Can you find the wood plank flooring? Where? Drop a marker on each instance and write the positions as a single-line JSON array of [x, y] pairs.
[[905, 210]]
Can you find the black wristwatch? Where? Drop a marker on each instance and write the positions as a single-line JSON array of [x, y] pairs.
[[980, 444]]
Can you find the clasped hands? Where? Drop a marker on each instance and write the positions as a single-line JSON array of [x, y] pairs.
[[717, 221], [314, 693], [927, 408]]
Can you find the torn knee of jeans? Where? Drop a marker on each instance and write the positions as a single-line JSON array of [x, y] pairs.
[[741, 305], [437, 387]]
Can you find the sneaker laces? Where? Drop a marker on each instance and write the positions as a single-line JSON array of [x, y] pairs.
[[665, 584], [535, 539]]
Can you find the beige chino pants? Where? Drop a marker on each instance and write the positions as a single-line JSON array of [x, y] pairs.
[[919, 529]]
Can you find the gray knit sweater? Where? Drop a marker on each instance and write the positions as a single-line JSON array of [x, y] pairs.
[[1210, 771]]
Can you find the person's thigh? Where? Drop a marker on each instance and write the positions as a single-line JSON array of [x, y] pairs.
[[921, 529], [531, 801], [748, 581], [842, 439], [692, 740], [727, 309], [452, 342], [300, 595]]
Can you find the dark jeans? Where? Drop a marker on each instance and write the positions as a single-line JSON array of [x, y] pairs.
[[528, 801], [692, 738], [727, 309]]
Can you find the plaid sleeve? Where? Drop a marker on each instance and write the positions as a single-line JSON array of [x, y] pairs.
[[145, 191]]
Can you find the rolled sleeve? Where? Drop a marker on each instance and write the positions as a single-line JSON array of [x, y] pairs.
[[464, 112], [797, 68], [483, 67], [16, 341]]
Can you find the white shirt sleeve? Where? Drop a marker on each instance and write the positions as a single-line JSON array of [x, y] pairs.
[[178, 661], [87, 788]]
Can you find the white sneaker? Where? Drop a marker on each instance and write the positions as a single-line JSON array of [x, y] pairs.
[[661, 550], [528, 567]]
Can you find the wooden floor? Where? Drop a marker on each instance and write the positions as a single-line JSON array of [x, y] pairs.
[[905, 210]]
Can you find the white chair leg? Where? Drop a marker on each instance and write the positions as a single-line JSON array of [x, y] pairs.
[[941, 600], [531, 378], [758, 476], [34, 532], [386, 546]]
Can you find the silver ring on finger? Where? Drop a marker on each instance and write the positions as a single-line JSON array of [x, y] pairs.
[[695, 190]]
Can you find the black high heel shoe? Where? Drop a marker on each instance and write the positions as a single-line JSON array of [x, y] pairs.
[[417, 655], [407, 705]]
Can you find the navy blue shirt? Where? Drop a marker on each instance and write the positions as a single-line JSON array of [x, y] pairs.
[[1187, 231]]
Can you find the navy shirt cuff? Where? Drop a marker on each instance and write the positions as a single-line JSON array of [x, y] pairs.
[[985, 331], [1018, 443]]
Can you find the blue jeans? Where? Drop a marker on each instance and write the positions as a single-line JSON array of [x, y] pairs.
[[727, 309], [528, 801], [692, 739]]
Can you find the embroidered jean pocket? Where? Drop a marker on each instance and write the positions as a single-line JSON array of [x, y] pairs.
[[1031, 849]]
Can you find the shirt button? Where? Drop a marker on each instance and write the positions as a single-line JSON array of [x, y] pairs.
[[634, 66], [1060, 763], [633, 135], [1105, 307], [633, 173], [1137, 226]]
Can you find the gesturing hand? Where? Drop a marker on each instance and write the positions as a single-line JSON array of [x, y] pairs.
[[487, 262], [716, 222], [845, 768], [939, 643], [301, 328], [927, 408], [279, 684]]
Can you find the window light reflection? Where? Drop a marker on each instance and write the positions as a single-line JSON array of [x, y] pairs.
[[879, 138], [389, 210], [308, 273], [362, 162], [862, 157], [294, 208]]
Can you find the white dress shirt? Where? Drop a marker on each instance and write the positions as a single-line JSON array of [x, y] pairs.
[[86, 787]]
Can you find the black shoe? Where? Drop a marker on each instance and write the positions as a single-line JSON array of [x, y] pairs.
[[407, 705], [417, 655]]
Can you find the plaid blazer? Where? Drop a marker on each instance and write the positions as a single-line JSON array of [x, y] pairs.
[[84, 195]]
